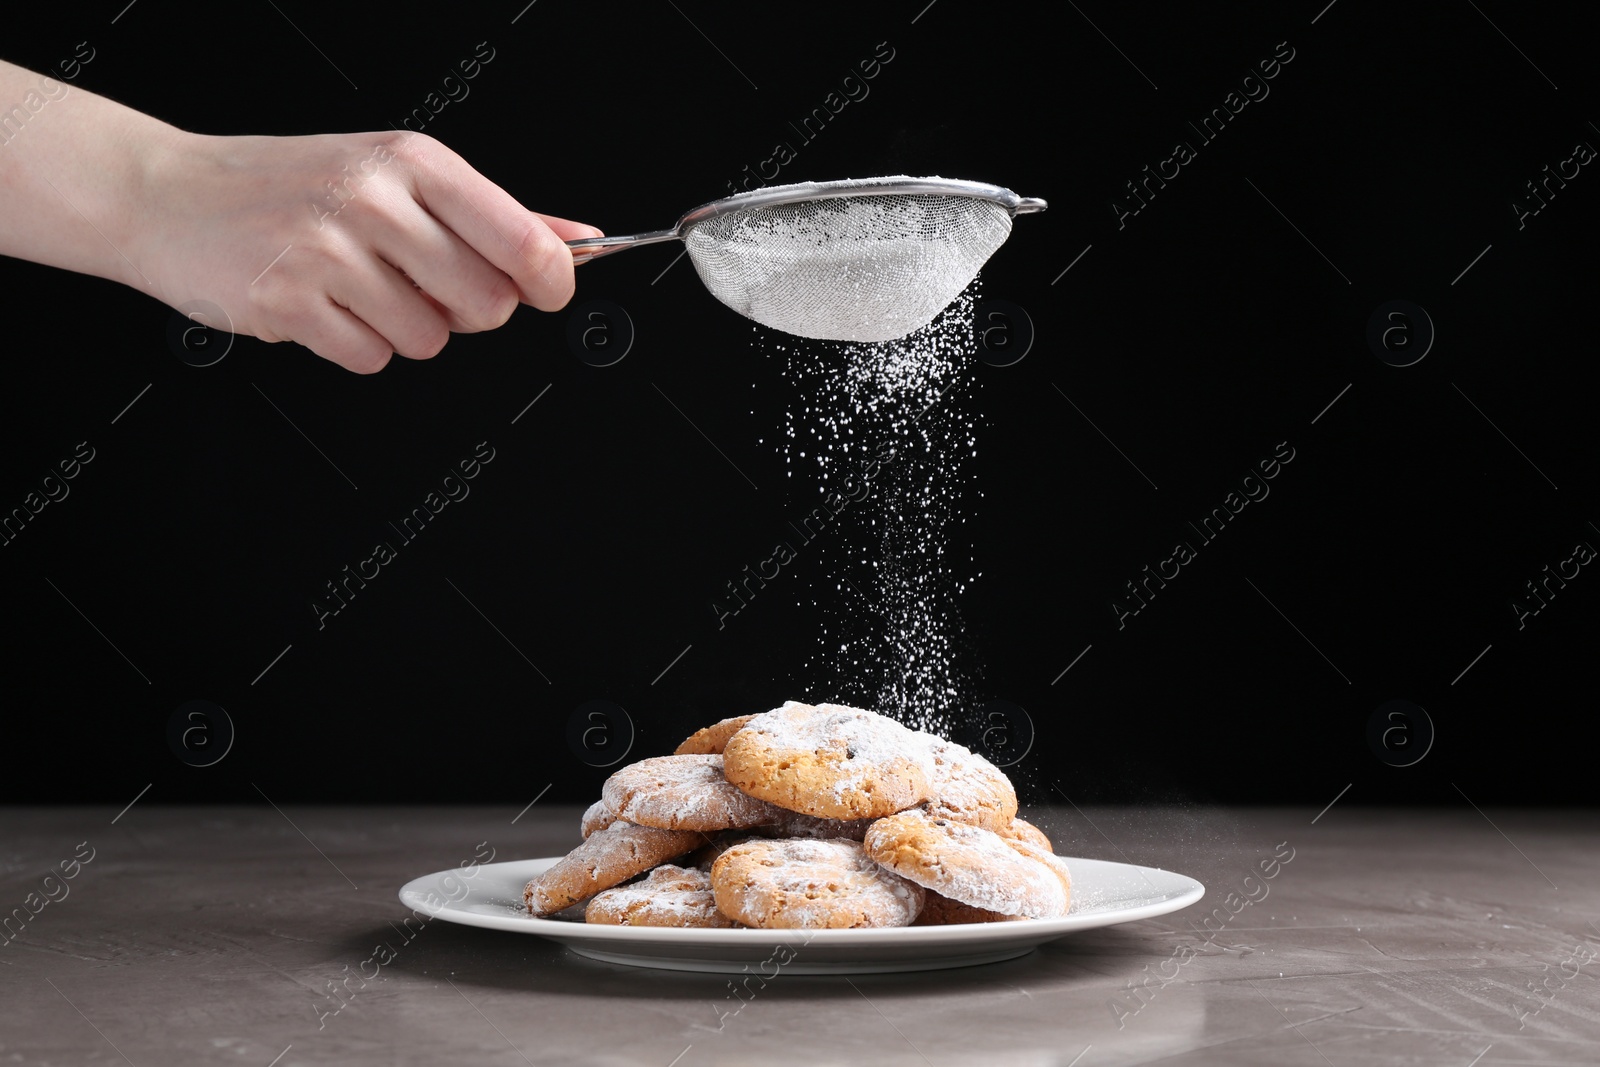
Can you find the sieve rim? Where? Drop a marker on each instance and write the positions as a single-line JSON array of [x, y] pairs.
[[588, 248], [778, 195]]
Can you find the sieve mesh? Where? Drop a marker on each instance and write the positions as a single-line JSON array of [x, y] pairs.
[[849, 268]]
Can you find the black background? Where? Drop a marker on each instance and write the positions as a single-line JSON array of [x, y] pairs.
[[1197, 337]]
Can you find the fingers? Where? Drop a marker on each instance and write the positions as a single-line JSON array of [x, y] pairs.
[[471, 293], [568, 230], [335, 334], [386, 301], [519, 242], [432, 248], [450, 317]]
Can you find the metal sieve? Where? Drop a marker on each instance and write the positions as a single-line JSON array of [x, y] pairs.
[[861, 260]]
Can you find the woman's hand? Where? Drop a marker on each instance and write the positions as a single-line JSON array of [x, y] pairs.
[[354, 245]]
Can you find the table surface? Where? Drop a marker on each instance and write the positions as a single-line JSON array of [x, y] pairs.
[[213, 935]]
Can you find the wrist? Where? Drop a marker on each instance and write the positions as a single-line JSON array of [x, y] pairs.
[[157, 154]]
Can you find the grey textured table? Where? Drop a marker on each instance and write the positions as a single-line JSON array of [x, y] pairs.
[[213, 936]]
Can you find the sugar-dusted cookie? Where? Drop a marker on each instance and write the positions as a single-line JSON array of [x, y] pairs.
[[968, 788], [1023, 830], [598, 817], [970, 864], [938, 910], [1057, 865], [667, 896], [607, 858], [710, 741], [683, 793], [825, 884], [829, 761]]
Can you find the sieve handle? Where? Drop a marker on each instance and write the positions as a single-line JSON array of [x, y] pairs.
[[595, 247]]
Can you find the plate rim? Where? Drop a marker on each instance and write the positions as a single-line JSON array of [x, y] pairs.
[[1038, 930]]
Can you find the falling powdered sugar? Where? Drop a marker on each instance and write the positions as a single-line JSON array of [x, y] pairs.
[[883, 427]]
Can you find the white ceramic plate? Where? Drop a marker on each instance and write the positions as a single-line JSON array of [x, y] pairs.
[[1103, 894]]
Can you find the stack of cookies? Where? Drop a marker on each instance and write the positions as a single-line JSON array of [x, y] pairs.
[[807, 817]]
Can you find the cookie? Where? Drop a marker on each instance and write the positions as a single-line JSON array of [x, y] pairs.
[[970, 864], [667, 896], [1043, 855], [711, 740], [938, 910], [1023, 830], [802, 884], [607, 858], [683, 793], [598, 817], [829, 761], [968, 788]]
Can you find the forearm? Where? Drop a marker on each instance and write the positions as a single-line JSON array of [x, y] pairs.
[[74, 168]]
